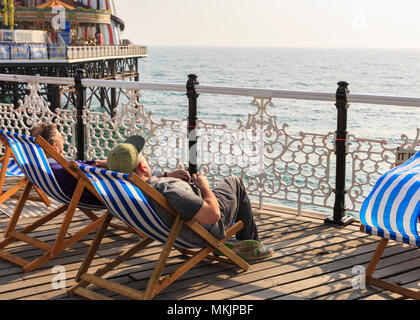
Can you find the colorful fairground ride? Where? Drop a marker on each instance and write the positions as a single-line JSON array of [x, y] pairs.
[[62, 29], [60, 38]]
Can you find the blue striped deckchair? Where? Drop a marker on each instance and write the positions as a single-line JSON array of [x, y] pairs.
[[392, 212], [32, 155], [10, 169], [125, 198]]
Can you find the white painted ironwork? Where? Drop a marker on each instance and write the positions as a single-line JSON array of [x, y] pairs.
[[294, 169], [87, 52], [35, 110]]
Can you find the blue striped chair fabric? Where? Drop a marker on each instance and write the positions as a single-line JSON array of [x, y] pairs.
[[128, 203], [35, 166], [13, 169], [392, 209]]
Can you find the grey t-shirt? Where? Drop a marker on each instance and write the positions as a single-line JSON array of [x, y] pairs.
[[186, 200]]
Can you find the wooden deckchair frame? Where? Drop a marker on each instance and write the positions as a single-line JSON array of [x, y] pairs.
[[12, 192], [155, 285], [371, 280], [61, 243]]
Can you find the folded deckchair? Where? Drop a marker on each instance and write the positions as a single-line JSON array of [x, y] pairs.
[[392, 212], [10, 169], [32, 155], [125, 197]]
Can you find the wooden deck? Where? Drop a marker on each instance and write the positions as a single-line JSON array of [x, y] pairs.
[[311, 261]]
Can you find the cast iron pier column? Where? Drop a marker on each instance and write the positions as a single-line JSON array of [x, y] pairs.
[[80, 105], [339, 217], [192, 122]]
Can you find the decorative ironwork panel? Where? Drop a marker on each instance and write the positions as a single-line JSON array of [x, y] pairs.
[[165, 141], [35, 110], [369, 160], [277, 166]]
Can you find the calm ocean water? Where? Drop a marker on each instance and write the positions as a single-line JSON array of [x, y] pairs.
[[378, 72]]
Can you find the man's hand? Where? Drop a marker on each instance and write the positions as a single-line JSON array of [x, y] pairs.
[[101, 164], [201, 181], [180, 174]]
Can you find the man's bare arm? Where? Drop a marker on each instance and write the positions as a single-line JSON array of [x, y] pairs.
[[210, 211]]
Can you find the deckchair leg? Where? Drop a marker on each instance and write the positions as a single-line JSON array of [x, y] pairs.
[[35, 225], [94, 246], [109, 266], [4, 164], [83, 277], [197, 257], [384, 284], [43, 196], [376, 257], [58, 245], [37, 263], [26, 265], [154, 279], [11, 193], [18, 210]]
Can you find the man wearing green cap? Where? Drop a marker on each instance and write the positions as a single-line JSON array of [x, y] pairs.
[[216, 210], [125, 159]]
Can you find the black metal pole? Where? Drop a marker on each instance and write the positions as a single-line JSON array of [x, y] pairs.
[[339, 217], [80, 104], [113, 90], [192, 122]]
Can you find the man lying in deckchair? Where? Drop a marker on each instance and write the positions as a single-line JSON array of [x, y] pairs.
[[216, 210]]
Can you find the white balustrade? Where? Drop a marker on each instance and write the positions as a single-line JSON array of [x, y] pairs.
[[86, 52], [277, 166]]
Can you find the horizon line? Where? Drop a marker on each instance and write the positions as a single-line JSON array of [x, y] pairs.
[[283, 47]]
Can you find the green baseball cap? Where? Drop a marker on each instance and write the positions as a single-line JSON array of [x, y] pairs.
[[124, 157]]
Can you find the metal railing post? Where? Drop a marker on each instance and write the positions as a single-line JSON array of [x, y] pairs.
[[339, 217], [80, 105], [192, 122]]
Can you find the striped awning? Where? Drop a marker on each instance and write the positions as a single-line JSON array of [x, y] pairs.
[[55, 3]]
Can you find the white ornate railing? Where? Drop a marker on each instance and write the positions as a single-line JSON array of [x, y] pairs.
[[86, 52], [279, 167]]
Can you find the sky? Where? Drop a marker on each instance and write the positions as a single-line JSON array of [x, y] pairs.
[[273, 23]]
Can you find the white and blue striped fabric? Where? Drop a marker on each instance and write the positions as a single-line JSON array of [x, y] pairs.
[[128, 203], [35, 166], [13, 169], [392, 209]]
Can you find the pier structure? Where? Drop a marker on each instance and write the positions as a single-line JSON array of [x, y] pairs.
[[57, 38]]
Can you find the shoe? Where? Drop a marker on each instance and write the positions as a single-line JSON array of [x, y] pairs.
[[262, 253], [249, 250]]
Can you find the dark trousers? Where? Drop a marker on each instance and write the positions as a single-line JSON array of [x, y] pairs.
[[235, 206]]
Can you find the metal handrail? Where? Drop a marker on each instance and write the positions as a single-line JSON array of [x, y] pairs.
[[246, 92]]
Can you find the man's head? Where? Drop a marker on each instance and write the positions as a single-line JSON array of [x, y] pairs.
[[127, 158], [50, 133]]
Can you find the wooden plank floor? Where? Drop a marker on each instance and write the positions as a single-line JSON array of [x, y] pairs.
[[311, 261]]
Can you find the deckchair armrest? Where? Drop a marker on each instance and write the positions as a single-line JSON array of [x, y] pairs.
[[74, 166]]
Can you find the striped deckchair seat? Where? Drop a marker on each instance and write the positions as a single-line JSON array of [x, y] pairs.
[[128, 203], [36, 167], [392, 209], [13, 169]]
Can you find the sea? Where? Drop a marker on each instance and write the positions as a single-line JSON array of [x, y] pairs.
[[389, 72]]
